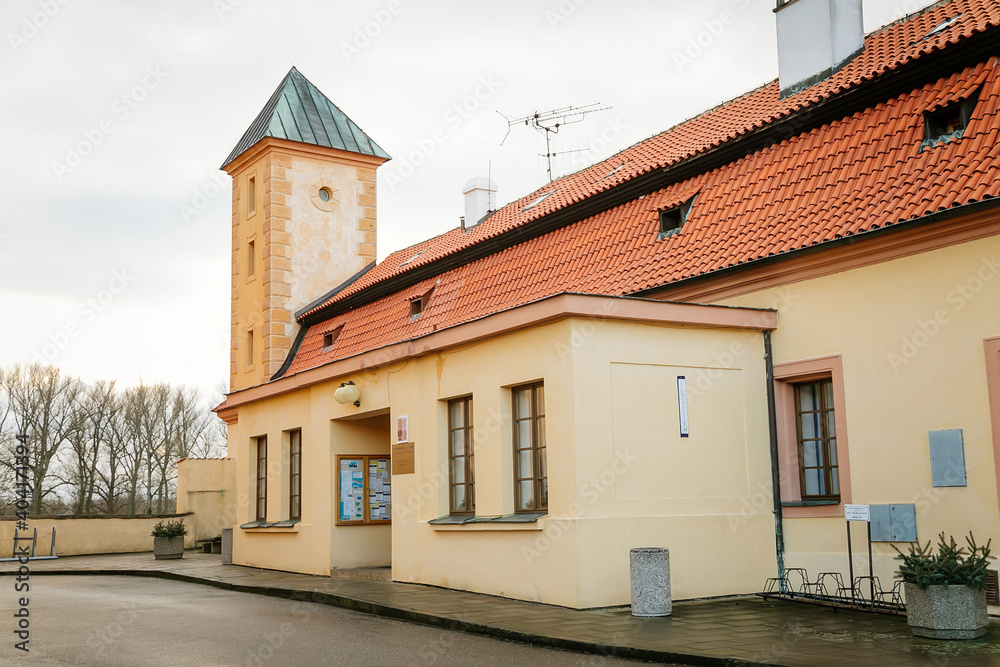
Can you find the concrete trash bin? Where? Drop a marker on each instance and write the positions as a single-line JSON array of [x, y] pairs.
[[227, 546], [649, 570]]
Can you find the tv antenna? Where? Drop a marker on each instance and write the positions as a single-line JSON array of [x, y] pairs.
[[550, 121]]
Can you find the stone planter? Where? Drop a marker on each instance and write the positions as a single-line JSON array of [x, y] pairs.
[[167, 548], [946, 612]]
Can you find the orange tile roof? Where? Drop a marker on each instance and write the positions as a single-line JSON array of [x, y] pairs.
[[847, 176]]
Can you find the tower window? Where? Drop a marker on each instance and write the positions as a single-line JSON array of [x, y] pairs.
[[673, 219], [251, 259], [948, 122], [249, 349], [251, 195]]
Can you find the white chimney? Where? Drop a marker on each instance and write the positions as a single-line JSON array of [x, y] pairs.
[[815, 39], [480, 199]]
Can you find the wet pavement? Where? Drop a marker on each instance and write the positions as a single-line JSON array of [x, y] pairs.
[[731, 631]]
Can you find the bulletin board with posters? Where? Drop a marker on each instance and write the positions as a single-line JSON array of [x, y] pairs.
[[364, 490]]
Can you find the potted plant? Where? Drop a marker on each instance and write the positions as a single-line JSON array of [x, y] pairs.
[[168, 539], [945, 598]]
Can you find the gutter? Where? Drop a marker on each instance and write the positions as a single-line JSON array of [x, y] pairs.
[[772, 427]]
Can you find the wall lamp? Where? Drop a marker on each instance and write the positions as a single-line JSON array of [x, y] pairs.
[[348, 392]]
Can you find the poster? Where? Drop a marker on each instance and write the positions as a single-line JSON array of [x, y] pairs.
[[402, 428]]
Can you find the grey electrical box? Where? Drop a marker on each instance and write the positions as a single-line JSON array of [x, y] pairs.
[[894, 523], [947, 457]]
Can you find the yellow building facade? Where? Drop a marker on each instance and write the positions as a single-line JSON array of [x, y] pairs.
[[712, 342]]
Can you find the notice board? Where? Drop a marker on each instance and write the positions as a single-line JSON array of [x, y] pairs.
[[364, 490]]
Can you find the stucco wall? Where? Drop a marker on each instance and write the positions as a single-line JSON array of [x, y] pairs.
[[207, 488], [910, 335]]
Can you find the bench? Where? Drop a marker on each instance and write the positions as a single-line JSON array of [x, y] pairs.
[[212, 545]]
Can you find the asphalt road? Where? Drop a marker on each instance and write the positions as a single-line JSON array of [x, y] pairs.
[[108, 621]]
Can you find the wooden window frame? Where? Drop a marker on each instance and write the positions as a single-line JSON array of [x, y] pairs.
[[786, 375], [468, 457], [260, 475], [295, 474], [366, 459], [537, 447], [827, 450]]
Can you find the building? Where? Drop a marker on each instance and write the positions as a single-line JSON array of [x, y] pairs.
[[712, 341]]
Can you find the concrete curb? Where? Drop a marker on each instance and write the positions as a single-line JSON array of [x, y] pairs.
[[425, 618]]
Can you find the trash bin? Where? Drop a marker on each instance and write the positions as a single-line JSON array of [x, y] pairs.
[[649, 571], [227, 546]]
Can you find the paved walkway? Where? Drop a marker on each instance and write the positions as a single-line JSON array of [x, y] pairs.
[[736, 631]]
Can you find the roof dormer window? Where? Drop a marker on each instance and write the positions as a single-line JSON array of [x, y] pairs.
[[419, 304], [948, 122], [673, 219], [330, 337]]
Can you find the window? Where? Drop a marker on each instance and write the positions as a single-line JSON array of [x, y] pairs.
[[816, 427], [419, 304], [461, 454], [249, 349], [949, 122], [672, 219], [531, 490], [330, 337], [261, 514], [251, 259], [813, 451], [251, 196], [295, 474]]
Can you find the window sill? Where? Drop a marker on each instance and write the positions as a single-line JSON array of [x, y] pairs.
[[289, 526], [809, 503], [484, 523]]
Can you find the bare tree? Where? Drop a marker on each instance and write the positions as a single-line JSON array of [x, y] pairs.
[[44, 406], [97, 406]]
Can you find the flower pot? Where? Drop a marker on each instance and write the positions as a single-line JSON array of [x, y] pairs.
[[167, 548], [946, 612]]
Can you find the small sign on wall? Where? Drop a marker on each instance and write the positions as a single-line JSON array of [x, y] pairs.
[[857, 512], [402, 428], [682, 404], [402, 459]]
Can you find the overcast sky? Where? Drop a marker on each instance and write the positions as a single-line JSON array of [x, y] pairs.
[[116, 115]]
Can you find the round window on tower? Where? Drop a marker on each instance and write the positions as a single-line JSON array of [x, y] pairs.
[[324, 196]]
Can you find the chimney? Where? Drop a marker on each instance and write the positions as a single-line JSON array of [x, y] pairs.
[[815, 39], [480, 199]]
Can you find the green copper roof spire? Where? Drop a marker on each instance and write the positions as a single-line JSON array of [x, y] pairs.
[[297, 111]]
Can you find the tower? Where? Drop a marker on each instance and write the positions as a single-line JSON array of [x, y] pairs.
[[304, 219]]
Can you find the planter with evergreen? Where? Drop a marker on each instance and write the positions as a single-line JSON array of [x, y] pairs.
[[945, 594], [168, 539]]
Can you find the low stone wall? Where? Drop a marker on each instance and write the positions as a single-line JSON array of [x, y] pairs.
[[90, 535]]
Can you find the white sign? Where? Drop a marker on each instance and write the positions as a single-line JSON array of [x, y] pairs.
[[857, 513], [682, 404]]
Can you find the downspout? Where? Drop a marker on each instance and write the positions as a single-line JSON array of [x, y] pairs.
[[772, 425]]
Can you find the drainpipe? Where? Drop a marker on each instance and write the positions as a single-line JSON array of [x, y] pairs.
[[772, 425]]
